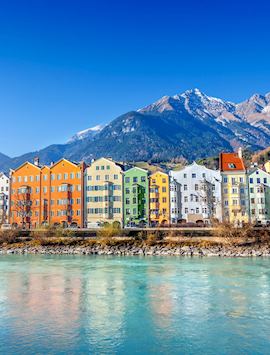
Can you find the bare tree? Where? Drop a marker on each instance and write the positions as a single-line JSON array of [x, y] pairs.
[[22, 205]]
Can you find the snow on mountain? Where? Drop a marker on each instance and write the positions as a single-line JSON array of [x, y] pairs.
[[86, 133], [194, 102]]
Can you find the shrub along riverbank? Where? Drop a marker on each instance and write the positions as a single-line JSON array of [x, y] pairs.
[[224, 241]]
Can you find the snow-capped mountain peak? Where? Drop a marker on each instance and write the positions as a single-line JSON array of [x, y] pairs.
[[86, 133]]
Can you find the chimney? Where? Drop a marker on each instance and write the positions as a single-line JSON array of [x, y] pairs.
[[36, 161], [52, 163], [240, 153]]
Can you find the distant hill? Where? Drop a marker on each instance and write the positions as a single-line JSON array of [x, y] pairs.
[[190, 126]]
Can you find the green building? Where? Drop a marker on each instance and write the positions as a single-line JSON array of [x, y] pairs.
[[136, 197], [259, 196]]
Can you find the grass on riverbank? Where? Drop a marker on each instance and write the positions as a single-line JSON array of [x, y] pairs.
[[110, 235]]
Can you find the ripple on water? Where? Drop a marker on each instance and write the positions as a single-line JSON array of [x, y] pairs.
[[81, 304]]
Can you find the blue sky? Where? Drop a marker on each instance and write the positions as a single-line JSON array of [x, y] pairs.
[[69, 65]]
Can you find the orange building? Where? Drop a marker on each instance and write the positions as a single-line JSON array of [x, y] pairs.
[[47, 195]]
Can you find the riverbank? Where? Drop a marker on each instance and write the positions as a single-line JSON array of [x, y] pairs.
[[129, 248], [226, 242]]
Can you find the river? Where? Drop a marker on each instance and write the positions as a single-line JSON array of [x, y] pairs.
[[134, 305]]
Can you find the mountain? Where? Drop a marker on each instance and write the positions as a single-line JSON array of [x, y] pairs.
[[190, 125], [87, 133], [4, 159]]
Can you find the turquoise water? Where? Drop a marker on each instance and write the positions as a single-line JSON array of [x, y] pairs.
[[129, 305]]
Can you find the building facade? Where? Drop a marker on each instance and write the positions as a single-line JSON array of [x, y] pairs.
[[267, 166], [136, 197], [4, 198], [159, 198], [200, 193], [259, 196], [235, 196], [63, 193], [47, 195], [103, 193], [175, 201]]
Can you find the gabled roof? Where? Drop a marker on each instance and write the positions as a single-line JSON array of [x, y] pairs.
[[137, 168], [25, 163], [231, 162], [159, 172], [109, 160], [66, 160]]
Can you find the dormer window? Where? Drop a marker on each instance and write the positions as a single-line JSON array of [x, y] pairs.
[[231, 166]]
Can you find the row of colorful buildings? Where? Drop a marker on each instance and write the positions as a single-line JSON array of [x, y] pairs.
[[77, 194]]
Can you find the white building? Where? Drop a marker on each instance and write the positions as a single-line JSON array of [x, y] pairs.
[[259, 196], [200, 193], [175, 200], [4, 198]]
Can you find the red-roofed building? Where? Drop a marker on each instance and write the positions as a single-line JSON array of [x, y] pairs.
[[235, 201]]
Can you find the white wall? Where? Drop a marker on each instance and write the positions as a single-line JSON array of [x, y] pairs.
[[194, 199]]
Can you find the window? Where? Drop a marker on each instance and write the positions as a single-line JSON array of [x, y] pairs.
[[78, 175], [45, 177], [135, 179], [108, 167], [163, 189], [231, 166], [115, 177], [102, 167], [65, 176], [72, 176], [251, 180], [97, 177], [97, 167], [107, 177], [258, 180], [52, 177], [59, 176], [185, 187], [193, 175], [265, 180], [196, 187], [127, 180], [185, 176], [225, 179], [89, 178]]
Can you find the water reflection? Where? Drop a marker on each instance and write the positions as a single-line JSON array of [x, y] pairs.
[[143, 305]]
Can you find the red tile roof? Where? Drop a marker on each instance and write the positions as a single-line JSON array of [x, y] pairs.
[[231, 162]]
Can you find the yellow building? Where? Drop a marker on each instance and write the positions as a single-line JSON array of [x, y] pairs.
[[159, 198], [103, 193], [267, 166], [235, 197]]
